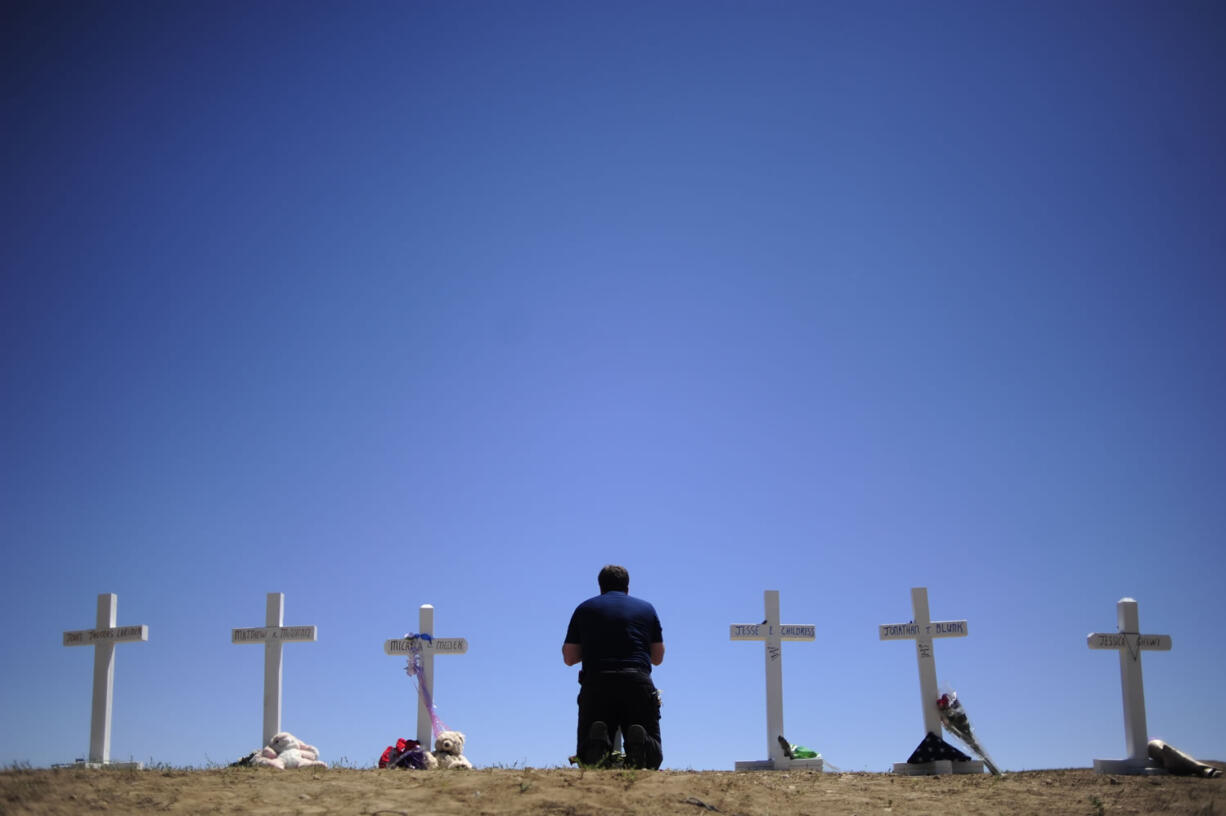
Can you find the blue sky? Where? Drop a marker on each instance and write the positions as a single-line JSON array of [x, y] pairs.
[[386, 304]]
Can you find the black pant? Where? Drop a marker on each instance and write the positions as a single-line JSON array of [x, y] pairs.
[[620, 700]]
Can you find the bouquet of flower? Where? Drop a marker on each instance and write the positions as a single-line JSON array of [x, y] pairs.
[[953, 717]]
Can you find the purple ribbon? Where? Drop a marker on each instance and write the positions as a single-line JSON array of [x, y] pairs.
[[414, 668]]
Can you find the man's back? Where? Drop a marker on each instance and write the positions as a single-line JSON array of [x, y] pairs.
[[616, 632]]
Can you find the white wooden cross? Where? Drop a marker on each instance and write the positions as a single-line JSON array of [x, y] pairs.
[[1129, 642], [273, 634], [103, 638], [772, 633], [429, 646], [922, 629]]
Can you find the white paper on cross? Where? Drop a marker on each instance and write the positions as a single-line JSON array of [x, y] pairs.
[[922, 630], [103, 638], [428, 646], [772, 633], [273, 634], [1129, 642]]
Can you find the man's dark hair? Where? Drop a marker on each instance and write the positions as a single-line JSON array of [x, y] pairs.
[[613, 578]]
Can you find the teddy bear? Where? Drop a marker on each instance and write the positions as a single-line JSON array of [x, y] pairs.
[[449, 750], [285, 750]]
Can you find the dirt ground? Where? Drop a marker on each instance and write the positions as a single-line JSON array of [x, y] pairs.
[[574, 792]]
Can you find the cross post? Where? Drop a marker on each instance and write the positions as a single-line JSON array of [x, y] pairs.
[[273, 634], [1129, 642], [428, 645], [103, 638], [772, 633]]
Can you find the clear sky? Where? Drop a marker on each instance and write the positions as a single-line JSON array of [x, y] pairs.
[[380, 304]]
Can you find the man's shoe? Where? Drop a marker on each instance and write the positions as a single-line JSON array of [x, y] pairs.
[[636, 746], [596, 748]]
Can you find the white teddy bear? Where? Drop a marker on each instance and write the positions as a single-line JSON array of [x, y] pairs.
[[449, 750], [285, 750]]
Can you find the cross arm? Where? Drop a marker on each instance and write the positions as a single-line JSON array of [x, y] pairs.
[[119, 634], [763, 631], [266, 634], [914, 631], [1119, 640], [432, 645]]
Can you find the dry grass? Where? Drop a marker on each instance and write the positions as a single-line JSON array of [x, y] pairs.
[[570, 792]]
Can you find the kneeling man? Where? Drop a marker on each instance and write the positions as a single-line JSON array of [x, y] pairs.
[[619, 639]]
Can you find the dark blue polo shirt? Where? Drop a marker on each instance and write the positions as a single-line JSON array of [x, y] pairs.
[[615, 632]]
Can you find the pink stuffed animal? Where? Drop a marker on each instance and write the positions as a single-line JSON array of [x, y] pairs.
[[285, 750]]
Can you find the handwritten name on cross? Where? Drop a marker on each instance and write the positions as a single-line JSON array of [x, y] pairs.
[[772, 633], [429, 646], [103, 638], [922, 631], [1129, 643], [273, 634]]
